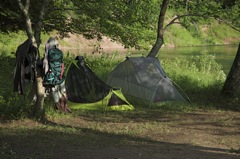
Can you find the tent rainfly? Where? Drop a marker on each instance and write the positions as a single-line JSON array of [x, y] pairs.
[[144, 78], [86, 91]]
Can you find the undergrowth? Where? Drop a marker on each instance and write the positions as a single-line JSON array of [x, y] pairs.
[[198, 77]]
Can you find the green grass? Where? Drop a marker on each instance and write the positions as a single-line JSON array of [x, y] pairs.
[[199, 78], [208, 32]]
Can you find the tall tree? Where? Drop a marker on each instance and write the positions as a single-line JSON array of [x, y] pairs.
[[131, 22], [35, 36], [232, 83], [160, 30], [224, 11]]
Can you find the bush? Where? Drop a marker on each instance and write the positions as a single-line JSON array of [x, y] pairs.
[[200, 76]]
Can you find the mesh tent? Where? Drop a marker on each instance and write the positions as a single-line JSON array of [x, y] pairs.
[[144, 78], [86, 91]]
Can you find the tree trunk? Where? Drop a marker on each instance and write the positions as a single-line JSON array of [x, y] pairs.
[[39, 90], [232, 82], [159, 42]]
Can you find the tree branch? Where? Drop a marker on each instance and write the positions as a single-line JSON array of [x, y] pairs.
[[222, 20], [199, 15], [39, 23], [181, 16], [25, 9], [22, 7]]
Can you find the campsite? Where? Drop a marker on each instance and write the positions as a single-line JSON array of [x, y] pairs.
[[89, 79], [209, 128]]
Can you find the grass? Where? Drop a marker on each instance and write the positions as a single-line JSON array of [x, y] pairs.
[[200, 77]]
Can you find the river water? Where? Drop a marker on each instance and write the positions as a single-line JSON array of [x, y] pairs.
[[224, 54]]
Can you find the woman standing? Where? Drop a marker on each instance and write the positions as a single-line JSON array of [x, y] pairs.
[[54, 79]]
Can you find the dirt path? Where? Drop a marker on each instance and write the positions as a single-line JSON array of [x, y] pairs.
[[198, 135]]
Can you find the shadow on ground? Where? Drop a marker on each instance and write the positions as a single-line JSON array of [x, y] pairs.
[[57, 141]]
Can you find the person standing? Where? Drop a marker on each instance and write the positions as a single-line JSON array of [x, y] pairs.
[[54, 79]]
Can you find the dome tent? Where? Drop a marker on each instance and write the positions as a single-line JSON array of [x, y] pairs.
[[86, 91], [144, 78]]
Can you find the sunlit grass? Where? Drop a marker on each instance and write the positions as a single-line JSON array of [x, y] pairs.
[[199, 78]]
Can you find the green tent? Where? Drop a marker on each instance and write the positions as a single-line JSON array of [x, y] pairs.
[[86, 91], [113, 101], [143, 78]]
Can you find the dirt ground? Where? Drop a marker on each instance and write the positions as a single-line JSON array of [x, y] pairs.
[[196, 135]]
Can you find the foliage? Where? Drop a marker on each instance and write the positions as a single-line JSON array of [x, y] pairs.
[[199, 76], [198, 11], [217, 32], [108, 62], [201, 69], [10, 41], [179, 36], [11, 104], [125, 21], [176, 35], [133, 23]]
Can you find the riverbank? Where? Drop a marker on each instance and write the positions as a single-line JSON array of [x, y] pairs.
[[213, 34], [78, 44]]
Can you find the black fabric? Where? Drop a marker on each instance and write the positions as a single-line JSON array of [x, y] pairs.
[[116, 101], [24, 71], [83, 86]]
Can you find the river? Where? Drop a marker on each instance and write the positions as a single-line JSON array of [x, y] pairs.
[[224, 54]]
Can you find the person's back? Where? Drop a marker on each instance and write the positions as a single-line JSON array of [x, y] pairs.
[[54, 79], [55, 73]]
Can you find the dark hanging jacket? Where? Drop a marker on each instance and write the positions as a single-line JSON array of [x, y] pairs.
[[23, 71]]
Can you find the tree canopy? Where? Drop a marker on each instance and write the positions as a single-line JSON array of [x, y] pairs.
[[134, 23], [131, 22]]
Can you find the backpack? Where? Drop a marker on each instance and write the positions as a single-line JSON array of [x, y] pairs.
[[55, 73]]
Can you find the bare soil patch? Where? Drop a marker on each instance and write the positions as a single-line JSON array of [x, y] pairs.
[[77, 44], [195, 135]]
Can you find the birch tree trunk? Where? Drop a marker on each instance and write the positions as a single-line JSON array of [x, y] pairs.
[[35, 37]]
